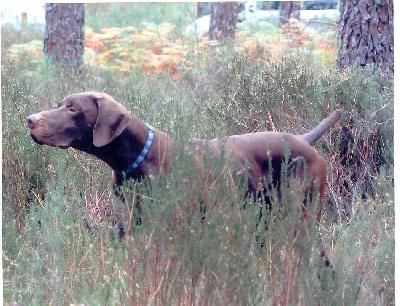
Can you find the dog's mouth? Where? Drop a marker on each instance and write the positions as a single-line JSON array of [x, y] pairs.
[[62, 146], [40, 142], [35, 139], [38, 131]]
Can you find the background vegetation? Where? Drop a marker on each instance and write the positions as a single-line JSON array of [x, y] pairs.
[[58, 207]]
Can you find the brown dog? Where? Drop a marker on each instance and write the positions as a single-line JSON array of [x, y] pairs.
[[95, 123]]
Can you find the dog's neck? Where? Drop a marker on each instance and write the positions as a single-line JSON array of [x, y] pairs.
[[122, 152]]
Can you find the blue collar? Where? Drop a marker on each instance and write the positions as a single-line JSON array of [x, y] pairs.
[[145, 150]]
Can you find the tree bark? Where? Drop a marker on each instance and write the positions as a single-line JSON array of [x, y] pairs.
[[223, 20], [366, 33], [64, 33], [289, 9], [203, 8]]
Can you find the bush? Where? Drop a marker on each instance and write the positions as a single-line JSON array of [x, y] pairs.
[[58, 208], [11, 35], [107, 15]]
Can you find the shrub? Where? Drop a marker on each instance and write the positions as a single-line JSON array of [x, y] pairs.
[[58, 208]]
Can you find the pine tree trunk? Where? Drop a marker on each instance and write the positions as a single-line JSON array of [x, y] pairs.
[[223, 20], [366, 33], [203, 8], [289, 9], [64, 33]]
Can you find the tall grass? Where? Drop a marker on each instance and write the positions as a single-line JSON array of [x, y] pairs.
[[58, 207]]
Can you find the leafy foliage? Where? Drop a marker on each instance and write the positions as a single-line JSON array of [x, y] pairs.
[[154, 48]]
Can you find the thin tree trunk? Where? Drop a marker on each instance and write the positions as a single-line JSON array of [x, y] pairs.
[[223, 20], [366, 33], [203, 8], [289, 9], [64, 33]]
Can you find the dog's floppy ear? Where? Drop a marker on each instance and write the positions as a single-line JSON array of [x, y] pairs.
[[111, 120]]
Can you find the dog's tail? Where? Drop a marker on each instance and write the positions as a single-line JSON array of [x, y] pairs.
[[321, 128]]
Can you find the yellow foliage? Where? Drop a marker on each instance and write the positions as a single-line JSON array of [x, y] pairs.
[[153, 48]]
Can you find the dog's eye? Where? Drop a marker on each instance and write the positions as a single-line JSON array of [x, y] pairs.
[[69, 107]]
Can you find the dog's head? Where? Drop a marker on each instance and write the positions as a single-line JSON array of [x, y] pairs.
[[87, 118]]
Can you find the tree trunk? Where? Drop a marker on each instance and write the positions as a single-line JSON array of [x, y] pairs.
[[289, 9], [223, 20], [203, 8], [366, 32], [64, 33]]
